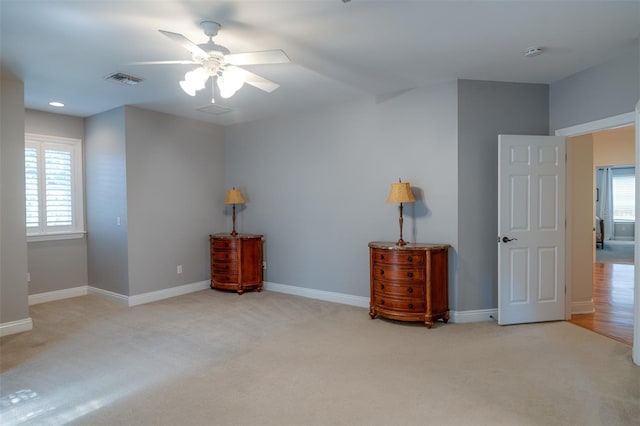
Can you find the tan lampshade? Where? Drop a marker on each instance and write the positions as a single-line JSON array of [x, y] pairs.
[[401, 193], [234, 196]]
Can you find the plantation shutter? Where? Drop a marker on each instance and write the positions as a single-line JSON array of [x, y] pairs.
[[58, 188], [31, 186], [624, 184]]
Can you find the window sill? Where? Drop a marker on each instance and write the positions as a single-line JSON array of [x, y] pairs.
[[55, 237]]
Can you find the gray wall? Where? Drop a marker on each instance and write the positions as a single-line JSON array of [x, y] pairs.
[[316, 184], [56, 265], [485, 110], [13, 240], [106, 199], [175, 193], [602, 91]]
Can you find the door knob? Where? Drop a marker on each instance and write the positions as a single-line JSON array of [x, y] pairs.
[[507, 239]]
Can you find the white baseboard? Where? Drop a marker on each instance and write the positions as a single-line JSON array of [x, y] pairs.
[[478, 315], [154, 296], [363, 302], [114, 297], [328, 296], [14, 327], [584, 307], [51, 296]]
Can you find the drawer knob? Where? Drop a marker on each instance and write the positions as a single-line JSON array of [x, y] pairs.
[[381, 286], [226, 267], [382, 257], [382, 301], [410, 274], [410, 305], [381, 271], [226, 256], [410, 259], [410, 290]]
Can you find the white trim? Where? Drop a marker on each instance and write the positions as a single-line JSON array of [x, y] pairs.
[[584, 307], [594, 126], [478, 315], [52, 237], [167, 293], [153, 296], [581, 129], [14, 327], [329, 296], [114, 297], [635, 353], [51, 296]]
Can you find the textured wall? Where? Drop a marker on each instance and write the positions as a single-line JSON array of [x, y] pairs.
[[602, 91], [106, 200], [485, 110], [316, 184], [175, 192], [13, 239], [56, 265]]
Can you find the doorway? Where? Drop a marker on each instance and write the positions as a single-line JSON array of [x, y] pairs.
[[609, 300]]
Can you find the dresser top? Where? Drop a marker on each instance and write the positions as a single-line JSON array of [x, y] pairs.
[[386, 245], [237, 237]]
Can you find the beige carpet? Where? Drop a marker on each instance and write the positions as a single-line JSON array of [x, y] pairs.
[[213, 358]]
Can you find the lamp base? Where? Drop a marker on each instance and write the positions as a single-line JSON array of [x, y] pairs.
[[401, 242]]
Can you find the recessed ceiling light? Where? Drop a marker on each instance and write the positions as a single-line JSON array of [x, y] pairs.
[[533, 51], [56, 104]]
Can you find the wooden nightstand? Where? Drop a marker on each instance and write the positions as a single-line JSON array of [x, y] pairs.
[[409, 283], [236, 262]]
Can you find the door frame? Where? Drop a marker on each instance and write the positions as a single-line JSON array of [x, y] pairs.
[[590, 127]]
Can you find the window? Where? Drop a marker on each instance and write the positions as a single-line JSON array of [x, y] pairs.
[[624, 194], [53, 187]]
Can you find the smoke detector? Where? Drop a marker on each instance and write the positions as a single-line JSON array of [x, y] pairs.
[[533, 51]]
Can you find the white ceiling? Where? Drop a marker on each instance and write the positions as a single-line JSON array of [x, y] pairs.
[[62, 50]]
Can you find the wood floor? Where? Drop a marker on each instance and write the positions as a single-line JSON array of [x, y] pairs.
[[613, 302]]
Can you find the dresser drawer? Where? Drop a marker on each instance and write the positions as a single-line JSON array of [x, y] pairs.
[[223, 256], [225, 267], [390, 272], [224, 243], [399, 304], [225, 278], [395, 257], [410, 290]]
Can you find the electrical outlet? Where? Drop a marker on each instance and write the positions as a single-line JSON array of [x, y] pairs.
[[28, 277], [117, 220], [179, 269], [264, 264]]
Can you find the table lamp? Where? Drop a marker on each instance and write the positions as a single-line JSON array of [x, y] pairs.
[[401, 193], [234, 196]]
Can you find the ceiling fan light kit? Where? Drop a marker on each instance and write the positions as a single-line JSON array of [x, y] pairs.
[[216, 62]]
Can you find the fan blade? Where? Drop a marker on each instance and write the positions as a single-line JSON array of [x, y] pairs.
[[259, 82], [161, 63], [258, 58], [185, 42]]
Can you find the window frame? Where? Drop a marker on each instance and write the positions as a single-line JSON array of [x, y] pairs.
[[623, 172], [77, 229]]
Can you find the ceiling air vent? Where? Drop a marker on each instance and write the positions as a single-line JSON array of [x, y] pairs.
[[214, 109], [123, 78]]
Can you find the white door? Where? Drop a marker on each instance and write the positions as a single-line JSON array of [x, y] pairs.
[[531, 228]]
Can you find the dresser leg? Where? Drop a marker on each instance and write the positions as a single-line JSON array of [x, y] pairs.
[[445, 318], [372, 312]]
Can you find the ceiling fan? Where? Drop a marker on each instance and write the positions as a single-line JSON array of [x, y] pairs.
[[222, 66]]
